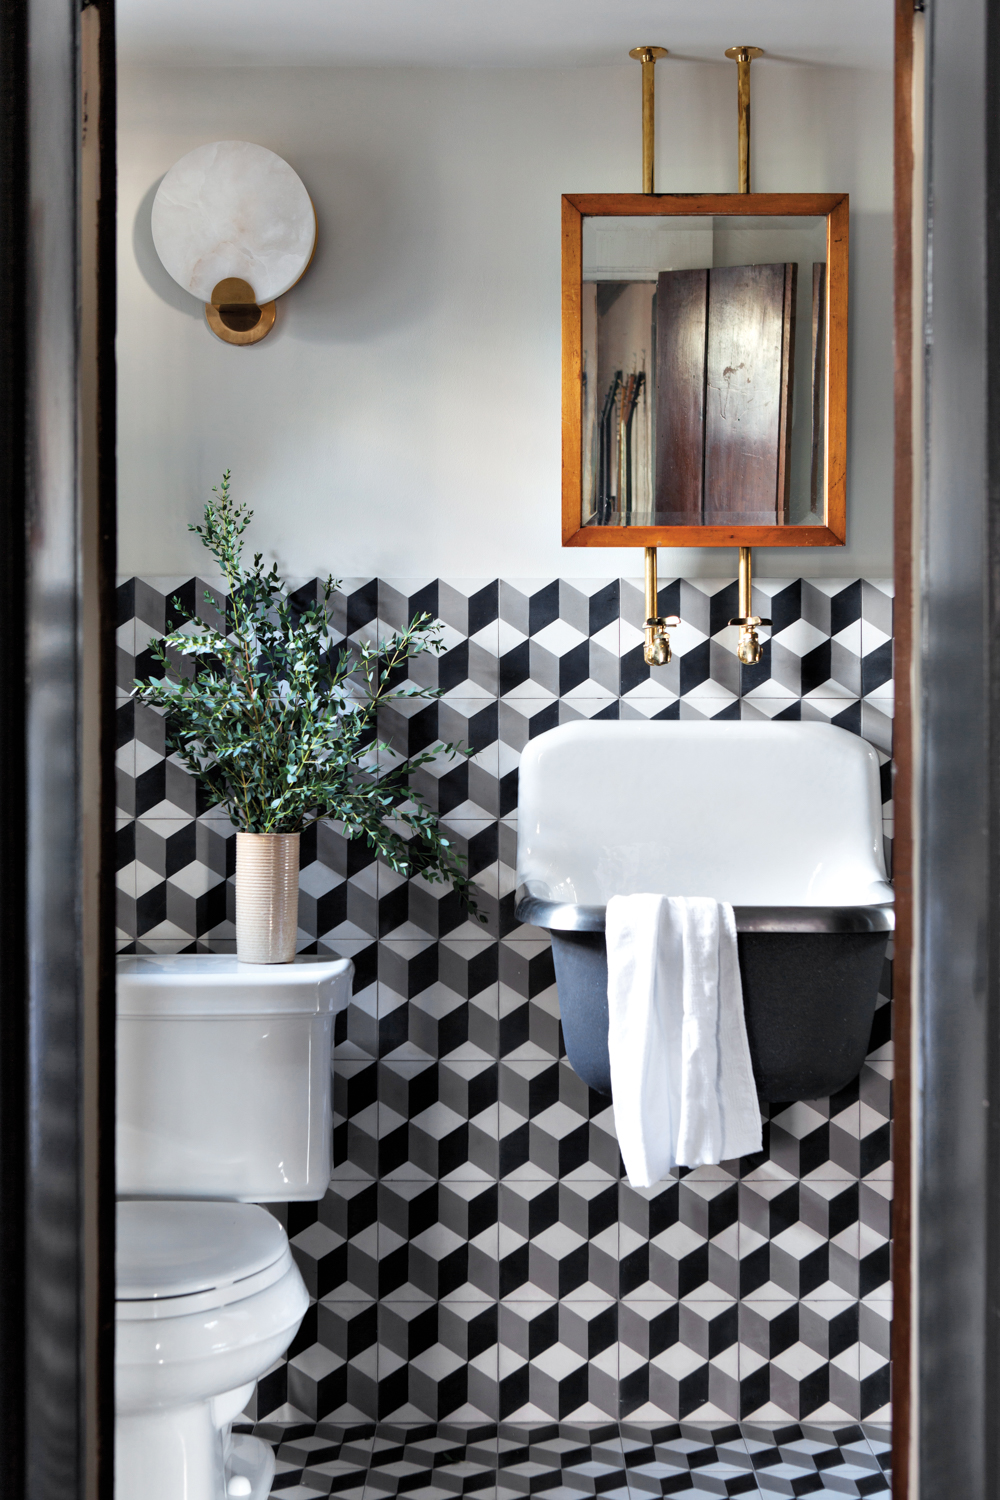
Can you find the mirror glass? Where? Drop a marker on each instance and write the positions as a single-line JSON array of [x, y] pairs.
[[703, 380]]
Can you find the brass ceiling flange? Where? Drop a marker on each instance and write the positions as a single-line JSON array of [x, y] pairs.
[[233, 314]]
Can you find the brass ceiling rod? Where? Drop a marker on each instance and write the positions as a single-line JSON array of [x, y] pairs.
[[648, 56], [656, 651], [749, 649], [743, 57]]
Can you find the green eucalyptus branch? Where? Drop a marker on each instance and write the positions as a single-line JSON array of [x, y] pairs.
[[278, 722]]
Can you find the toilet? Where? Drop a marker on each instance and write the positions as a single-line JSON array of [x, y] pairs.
[[224, 1103]]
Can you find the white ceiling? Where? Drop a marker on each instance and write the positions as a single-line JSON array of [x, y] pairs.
[[497, 33]]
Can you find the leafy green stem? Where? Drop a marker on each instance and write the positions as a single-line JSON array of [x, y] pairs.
[[277, 718]]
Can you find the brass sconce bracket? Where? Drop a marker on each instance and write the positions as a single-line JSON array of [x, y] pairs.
[[234, 315], [749, 649]]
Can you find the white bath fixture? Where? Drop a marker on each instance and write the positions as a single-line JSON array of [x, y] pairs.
[[751, 813], [233, 212], [224, 1101], [224, 1087]]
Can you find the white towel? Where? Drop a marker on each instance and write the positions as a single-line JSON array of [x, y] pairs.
[[681, 1079]]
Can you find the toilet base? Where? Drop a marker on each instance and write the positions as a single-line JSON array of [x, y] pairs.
[[253, 1460], [191, 1452]]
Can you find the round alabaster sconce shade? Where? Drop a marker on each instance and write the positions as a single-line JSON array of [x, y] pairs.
[[235, 227]]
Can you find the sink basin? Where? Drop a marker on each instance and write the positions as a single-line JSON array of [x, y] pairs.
[[781, 820]]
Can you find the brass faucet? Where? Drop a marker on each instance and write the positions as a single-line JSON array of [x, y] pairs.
[[749, 649], [656, 652]]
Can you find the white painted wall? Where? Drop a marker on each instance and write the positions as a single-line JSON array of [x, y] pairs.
[[403, 417]]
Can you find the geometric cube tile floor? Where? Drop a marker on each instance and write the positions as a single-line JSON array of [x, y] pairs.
[[578, 1460]]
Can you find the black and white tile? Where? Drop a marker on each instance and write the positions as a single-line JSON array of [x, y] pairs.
[[574, 1460], [479, 1258]]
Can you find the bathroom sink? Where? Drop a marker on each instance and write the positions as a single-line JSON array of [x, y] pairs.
[[781, 820]]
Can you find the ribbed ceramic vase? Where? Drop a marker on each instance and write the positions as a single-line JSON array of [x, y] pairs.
[[267, 897]]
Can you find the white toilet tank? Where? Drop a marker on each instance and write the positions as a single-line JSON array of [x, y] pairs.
[[224, 1076]]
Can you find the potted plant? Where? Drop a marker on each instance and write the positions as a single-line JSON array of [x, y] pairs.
[[278, 724]]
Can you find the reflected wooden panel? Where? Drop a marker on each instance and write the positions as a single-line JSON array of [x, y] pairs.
[[751, 314], [725, 340], [681, 332]]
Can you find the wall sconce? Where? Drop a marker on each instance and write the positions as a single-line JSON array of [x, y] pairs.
[[235, 227]]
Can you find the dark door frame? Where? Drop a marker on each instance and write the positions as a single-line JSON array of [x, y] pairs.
[[56, 1259], [903, 741], [56, 816], [947, 1217]]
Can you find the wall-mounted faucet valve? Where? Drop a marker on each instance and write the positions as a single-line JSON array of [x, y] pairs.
[[656, 652], [749, 649]]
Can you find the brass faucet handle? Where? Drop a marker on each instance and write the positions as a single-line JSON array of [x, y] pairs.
[[749, 649], [656, 650]]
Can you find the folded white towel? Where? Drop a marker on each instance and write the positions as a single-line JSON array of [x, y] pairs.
[[681, 1078]]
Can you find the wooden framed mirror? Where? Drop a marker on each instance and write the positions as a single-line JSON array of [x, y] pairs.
[[704, 369]]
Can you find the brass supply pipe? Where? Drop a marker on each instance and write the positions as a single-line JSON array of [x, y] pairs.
[[746, 582], [648, 57], [656, 650], [749, 649], [743, 57], [652, 604]]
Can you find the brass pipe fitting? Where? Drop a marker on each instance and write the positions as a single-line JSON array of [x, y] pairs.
[[656, 651], [743, 57], [749, 649], [648, 57]]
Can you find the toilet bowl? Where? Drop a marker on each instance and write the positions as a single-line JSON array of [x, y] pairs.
[[224, 1102], [207, 1297]]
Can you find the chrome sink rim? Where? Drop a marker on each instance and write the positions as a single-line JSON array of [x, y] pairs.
[[565, 916]]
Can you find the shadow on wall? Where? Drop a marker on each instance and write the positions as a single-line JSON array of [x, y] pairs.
[[378, 240], [155, 274]]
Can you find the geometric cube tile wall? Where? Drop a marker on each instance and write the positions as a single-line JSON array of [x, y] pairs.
[[480, 1256]]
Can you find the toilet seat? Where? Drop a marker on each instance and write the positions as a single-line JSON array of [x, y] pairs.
[[178, 1257]]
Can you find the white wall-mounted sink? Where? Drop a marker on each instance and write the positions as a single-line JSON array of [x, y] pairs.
[[783, 821], [754, 814]]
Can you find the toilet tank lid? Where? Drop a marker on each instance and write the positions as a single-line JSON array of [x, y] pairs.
[[175, 1249], [218, 984]]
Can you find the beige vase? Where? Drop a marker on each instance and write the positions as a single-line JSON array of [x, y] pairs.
[[267, 897]]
